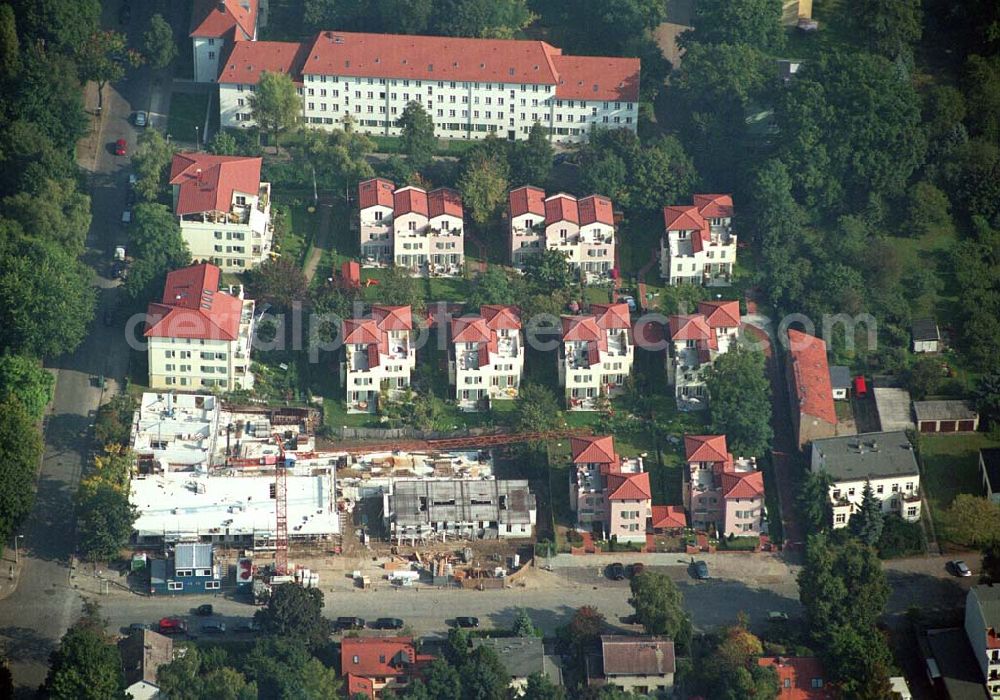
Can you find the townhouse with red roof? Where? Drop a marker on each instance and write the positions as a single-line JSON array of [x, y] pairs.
[[378, 354], [410, 227], [800, 678], [698, 244], [470, 87], [809, 389], [724, 495], [223, 208], [216, 27], [581, 229], [199, 336], [596, 355], [695, 341], [609, 491], [370, 665], [486, 357]]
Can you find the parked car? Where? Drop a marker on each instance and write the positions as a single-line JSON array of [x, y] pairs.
[[204, 610], [616, 571], [467, 622], [636, 569], [121, 147], [349, 623], [172, 625], [958, 568], [248, 626], [130, 197], [139, 627], [701, 570], [132, 179], [213, 627], [388, 623], [629, 301], [141, 119], [777, 616], [126, 217]]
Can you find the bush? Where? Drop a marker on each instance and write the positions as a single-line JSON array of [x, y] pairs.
[[739, 544], [899, 538]]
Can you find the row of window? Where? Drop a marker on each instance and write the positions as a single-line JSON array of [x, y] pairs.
[[184, 381], [179, 585]]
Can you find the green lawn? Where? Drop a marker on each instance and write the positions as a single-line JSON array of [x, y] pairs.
[[445, 147], [450, 289], [297, 232], [187, 111], [950, 467]]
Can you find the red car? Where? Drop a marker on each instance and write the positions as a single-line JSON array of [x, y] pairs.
[[121, 147], [172, 625]]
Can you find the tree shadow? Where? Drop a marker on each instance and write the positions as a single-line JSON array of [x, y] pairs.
[[66, 432], [48, 532], [24, 645]]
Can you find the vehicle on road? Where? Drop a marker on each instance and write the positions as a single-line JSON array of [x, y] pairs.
[[213, 627], [701, 570], [388, 623], [636, 569], [126, 217], [467, 622], [248, 626], [121, 147], [349, 623], [629, 301], [141, 119], [204, 610], [172, 625], [132, 179], [139, 627], [957, 567], [777, 616], [615, 572]]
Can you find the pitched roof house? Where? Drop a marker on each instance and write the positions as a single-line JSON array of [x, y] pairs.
[[982, 627], [377, 352], [809, 388], [607, 490], [142, 653], [486, 356], [698, 245], [596, 354], [372, 664], [800, 678], [216, 26], [641, 664], [724, 495], [695, 341]]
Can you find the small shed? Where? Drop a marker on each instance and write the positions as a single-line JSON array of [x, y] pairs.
[[840, 382], [945, 417], [926, 335]]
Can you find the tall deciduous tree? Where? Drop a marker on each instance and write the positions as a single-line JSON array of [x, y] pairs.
[[87, 665], [397, 288], [890, 27], [275, 104], [499, 19], [158, 248], [65, 26], [531, 160], [54, 211], [659, 607], [740, 402], [103, 58], [484, 183], [539, 687], [293, 612], [972, 521], [159, 42], [535, 409], [495, 286], [548, 271], [417, 138], [20, 452], [484, 676], [9, 44], [104, 521], [151, 158], [753, 22], [278, 281], [23, 378], [282, 667]]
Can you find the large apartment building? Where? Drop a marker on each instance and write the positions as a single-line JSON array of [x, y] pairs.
[[199, 336], [581, 229], [611, 492], [486, 359], [724, 495], [698, 244], [596, 355], [470, 87], [695, 341], [378, 351], [216, 27], [410, 227], [223, 209]]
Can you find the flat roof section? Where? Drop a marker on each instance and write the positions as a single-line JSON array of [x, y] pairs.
[[869, 455]]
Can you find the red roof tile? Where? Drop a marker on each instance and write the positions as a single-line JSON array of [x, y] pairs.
[[525, 200], [581, 328], [444, 201], [611, 316], [714, 206], [596, 209], [593, 450], [213, 18], [409, 199], [720, 314], [393, 318], [207, 182], [706, 448], [628, 487], [359, 685], [597, 78], [800, 673], [501, 317], [637, 656], [689, 327], [811, 376], [561, 207], [377, 657], [193, 307], [683, 218], [248, 59], [742, 484], [469, 329], [668, 517], [359, 331], [375, 192]]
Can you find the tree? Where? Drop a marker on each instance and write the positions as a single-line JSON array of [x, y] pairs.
[[87, 665], [740, 403], [104, 522], [972, 521], [608, 175], [48, 93], [813, 502], [159, 43], [495, 286], [64, 26], [890, 27], [10, 45], [54, 211], [548, 271], [498, 19], [417, 138], [990, 573], [293, 612], [539, 687], [275, 104], [535, 409], [278, 281], [841, 584], [151, 158], [663, 172], [24, 379], [753, 22], [20, 453], [283, 668], [586, 626], [981, 85], [456, 651], [484, 676], [659, 607], [924, 377], [397, 288], [987, 397], [531, 160], [928, 210], [223, 144], [866, 524], [972, 177], [442, 681], [103, 57], [731, 670], [484, 184], [523, 626], [226, 684], [860, 659], [179, 678]]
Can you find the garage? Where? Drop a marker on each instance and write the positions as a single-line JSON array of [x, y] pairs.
[[945, 417]]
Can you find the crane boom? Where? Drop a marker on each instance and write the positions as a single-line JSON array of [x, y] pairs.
[[281, 509]]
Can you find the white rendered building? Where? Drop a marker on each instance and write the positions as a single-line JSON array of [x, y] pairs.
[[596, 355], [199, 337], [581, 229], [695, 341], [216, 26], [487, 356], [698, 245], [223, 208], [470, 87], [982, 627], [377, 351]]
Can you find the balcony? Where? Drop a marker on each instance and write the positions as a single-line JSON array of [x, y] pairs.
[[618, 343]]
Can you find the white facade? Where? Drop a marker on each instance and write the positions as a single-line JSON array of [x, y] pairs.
[[698, 245], [981, 604], [377, 354], [207, 51], [236, 240], [485, 362], [596, 356]]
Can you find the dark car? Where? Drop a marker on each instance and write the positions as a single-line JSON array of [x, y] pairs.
[[349, 623], [616, 571], [130, 198], [139, 627], [467, 622], [388, 623], [636, 569], [214, 627], [204, 610], [121, 147], [248, 626], [957, 567], [701, 570]]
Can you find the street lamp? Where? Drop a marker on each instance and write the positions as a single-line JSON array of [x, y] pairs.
[[197, 137], [16, 538]]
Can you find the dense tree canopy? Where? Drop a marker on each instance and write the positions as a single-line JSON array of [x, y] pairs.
[[275, 104], [659, 607], [293, 612], [22, 378], [740, 401], [104, 522], [484, 184], [753, 22], [417, 138], [889, 27], [159, 42], [87, 665], [20, 453]]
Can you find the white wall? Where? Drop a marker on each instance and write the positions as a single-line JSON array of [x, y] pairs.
[[206, 58]]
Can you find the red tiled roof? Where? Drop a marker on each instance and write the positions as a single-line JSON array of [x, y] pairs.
[[525, 200], [581, 328], [359, 685], [375, 192], [409, 199], [497, 316], [742, 484], [213, 18], [637, 656], [595, 209], [668, 517], [593, 450], [358, 331], [444, 201], [706, 448], [610, 316], [811, 376], [683, 218], [207, 182], [377, 657], [561, 207], [193, 307], [431, 58], [597, 78], [248, 59], [799, 672], [469, 329], [629, 487], [393, 318], [689, 327], [714, 206], [720, 314]]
